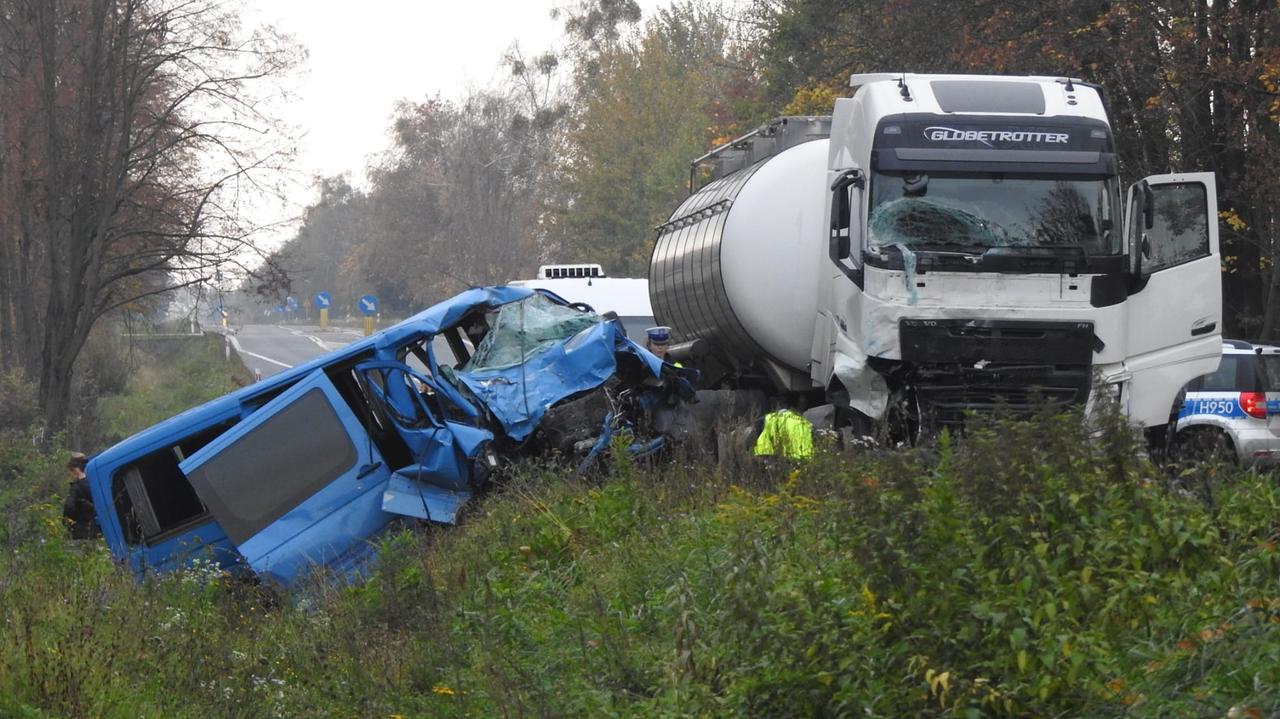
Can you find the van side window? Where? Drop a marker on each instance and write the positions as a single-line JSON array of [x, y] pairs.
[[1236, 373], [267, 472], [152, 496]]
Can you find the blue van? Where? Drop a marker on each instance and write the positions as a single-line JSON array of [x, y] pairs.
[[305, 467]]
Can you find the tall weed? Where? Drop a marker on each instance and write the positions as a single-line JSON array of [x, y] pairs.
[[1038, 567]]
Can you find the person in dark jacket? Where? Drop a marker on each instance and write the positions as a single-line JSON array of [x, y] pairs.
[[78, 507], [657, 339]]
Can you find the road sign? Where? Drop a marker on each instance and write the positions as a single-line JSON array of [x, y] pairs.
[[291, 303], [322, 300], [368, 305]]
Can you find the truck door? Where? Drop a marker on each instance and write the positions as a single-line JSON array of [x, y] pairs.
[[296, 483], [1175, 305]]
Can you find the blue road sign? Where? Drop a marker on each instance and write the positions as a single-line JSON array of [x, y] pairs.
[[368, 305], [291, 303], [322, 300]]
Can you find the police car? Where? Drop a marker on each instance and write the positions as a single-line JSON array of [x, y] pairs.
[[1235, 412]]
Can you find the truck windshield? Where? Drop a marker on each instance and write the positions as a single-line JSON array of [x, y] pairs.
[[977, 211]]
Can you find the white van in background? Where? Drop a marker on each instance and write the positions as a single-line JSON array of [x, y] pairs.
[[588, 284]]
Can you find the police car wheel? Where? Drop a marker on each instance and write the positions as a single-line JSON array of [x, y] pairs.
[[1204, 444]]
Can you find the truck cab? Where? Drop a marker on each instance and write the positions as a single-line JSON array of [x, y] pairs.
[[965, 242]]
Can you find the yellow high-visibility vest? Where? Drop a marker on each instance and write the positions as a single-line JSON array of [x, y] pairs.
[[785, 434]]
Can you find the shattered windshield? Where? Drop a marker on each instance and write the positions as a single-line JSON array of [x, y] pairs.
[[519, 330], [974, 212]]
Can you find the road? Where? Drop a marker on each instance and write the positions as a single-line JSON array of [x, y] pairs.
[[274, 348]]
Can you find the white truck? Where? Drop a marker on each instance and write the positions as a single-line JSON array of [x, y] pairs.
[[943, 243]]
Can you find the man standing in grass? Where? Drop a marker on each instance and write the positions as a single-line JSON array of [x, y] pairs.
[[78, 507]]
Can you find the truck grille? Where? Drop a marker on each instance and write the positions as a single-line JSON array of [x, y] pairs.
[[959, 366], [945, 398]]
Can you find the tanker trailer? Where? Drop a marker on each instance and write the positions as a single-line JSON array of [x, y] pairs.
[[943, 243]]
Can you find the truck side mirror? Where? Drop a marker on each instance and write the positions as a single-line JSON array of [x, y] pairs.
[[1139, 219], [841, 247], [842, 212], [1148, 211]]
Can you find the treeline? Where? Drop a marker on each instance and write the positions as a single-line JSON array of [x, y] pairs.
[[574, 157], [131, 131]]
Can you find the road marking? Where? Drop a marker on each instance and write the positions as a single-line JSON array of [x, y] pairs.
[[265, 358], [236, 344]]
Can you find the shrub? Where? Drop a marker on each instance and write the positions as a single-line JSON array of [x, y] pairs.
[[1035, 567], [18, 408]]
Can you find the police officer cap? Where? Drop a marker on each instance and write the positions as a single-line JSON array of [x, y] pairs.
[[659, 335]]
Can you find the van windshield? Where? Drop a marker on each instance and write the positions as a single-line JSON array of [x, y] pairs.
[[521, 329], [978, 211]]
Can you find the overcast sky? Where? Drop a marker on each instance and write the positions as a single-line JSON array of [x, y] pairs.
[[366, 55]]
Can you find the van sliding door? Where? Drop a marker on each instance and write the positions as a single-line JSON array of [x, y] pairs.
[[296, 483]]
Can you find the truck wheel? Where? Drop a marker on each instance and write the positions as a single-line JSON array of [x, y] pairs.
[[1203, 444]]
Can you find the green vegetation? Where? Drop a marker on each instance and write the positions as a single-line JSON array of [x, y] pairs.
[[1029, 569], [173, 374]]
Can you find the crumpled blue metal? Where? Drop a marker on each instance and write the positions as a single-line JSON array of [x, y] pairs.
[[519, 396], [448, 453], [444, 315]]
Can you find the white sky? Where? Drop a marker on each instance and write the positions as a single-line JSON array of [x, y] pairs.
[[366, 55]]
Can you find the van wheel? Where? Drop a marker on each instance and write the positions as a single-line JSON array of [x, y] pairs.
[[1204, 444]]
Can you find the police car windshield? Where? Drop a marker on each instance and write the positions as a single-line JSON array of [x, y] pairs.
[[983, 210]]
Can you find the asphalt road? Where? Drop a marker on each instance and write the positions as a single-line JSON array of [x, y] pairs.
[[273, 348]]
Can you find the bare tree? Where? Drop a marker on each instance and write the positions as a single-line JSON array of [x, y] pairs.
[[133, 132]]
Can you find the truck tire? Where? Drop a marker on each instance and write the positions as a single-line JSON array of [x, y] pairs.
[[1203, 444]]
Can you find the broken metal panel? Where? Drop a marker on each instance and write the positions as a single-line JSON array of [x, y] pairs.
[[303, 469], [409, 495], [520, 395], [418, 410], [866, 388], [446, 314]]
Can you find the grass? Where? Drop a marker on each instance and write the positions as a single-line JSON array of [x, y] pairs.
[[1032, 568], [170, 376]]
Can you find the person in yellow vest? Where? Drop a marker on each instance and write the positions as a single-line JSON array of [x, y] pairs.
[[787, 434]]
